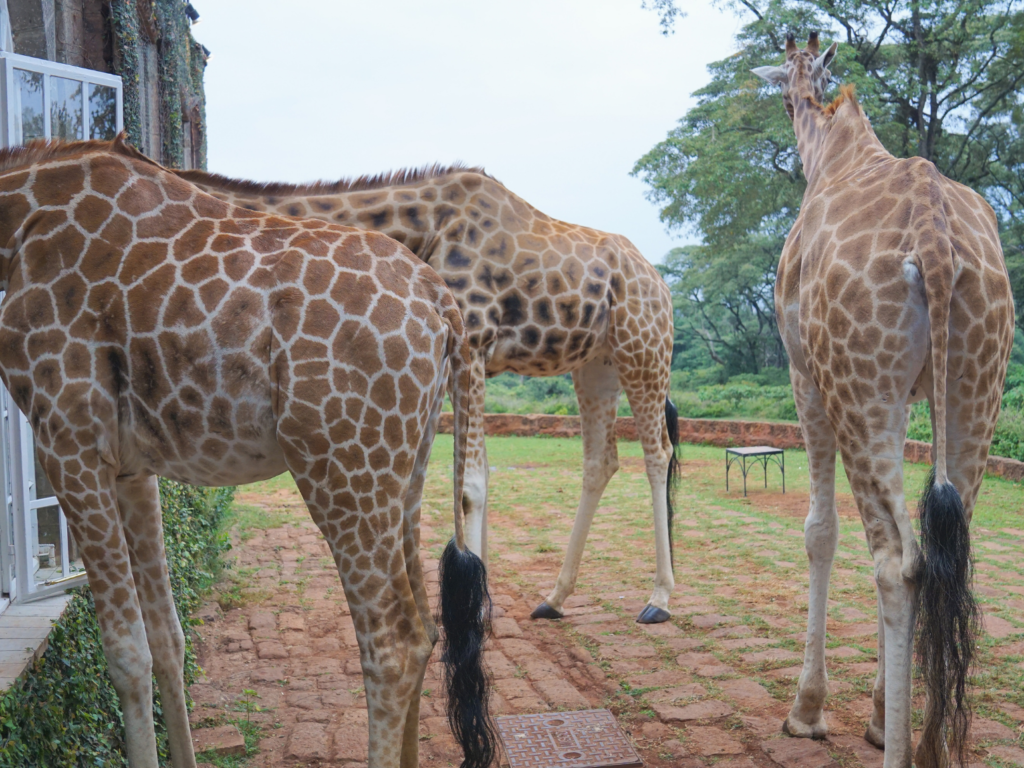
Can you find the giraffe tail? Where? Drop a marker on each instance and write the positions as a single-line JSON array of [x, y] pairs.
[[465, 603], [672, 422], [948, 618]]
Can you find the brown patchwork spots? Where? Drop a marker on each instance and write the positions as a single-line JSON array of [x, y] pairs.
[[214, 345]]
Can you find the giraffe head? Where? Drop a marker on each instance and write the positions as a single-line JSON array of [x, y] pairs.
[[805, 73]]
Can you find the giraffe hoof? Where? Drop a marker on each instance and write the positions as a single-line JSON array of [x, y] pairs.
[[874, 737], [653, 615], [800, 730], [545, 611]]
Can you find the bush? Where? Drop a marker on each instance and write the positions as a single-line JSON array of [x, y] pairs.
[[1008, 438], [743, 397], [64, 711]]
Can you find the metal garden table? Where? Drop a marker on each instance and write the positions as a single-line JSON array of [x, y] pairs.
[[757, 454]]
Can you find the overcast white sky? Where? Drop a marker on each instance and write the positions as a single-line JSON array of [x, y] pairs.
[[556, 98]]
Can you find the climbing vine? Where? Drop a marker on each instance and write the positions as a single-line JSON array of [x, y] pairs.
[[63, 712], [181, 62], [124, 29]]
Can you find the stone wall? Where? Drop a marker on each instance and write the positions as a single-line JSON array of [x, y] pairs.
[[707, 431]]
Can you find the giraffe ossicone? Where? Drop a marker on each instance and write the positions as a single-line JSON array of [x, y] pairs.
[[891, 289], [540, 297], [151, 329]]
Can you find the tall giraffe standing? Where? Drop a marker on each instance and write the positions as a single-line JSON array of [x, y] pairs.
[[891, 289], [540, 297], [150, 329]]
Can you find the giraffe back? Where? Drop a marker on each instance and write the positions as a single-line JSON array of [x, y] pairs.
[[539, 296]]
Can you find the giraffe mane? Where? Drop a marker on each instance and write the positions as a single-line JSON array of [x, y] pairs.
[[38, 150], [358, 184], [846, 93]]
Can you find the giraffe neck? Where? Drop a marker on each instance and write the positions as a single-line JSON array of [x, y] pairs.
[[833, 140]]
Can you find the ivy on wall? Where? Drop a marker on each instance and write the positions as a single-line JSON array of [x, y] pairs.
[[63, 712], [180, 67], [124, 28]]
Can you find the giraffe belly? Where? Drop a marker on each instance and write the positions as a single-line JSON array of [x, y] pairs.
[[551, 354], [211, 449]]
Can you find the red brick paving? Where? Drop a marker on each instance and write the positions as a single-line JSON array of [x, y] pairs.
[[707, 689]]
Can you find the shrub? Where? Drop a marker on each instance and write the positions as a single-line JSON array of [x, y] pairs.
[[64, 711]]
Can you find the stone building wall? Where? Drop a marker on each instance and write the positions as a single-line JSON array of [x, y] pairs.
[[148, 43]]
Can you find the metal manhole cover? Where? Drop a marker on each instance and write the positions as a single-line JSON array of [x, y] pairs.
[[587, 739]]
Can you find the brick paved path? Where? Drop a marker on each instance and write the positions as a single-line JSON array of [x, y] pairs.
[[709, 688]]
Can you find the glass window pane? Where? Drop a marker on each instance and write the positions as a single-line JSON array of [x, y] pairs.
[[28, 106], [102, 112], [43, 488], [47, 557], [66, 109]]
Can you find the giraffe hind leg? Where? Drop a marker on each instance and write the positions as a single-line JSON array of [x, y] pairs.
[[414, 569], [821, 536], [394, 641], [597, 389]]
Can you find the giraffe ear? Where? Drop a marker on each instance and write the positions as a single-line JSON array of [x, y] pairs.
[[826, 58], [774, 75]]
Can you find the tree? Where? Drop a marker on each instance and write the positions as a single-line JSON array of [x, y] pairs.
[[725, 305], [938, 79]]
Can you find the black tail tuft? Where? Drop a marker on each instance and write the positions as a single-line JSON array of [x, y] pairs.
[[465, 608], [672, 422], [948, 620]]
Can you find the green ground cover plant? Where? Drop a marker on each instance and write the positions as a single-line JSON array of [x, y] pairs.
[[63, 711]]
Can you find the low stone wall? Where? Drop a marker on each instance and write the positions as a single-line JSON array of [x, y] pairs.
[[707, 431]]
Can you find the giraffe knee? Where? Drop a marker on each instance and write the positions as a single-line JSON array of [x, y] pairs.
[[129, 667], [168, 653], [600, 469]]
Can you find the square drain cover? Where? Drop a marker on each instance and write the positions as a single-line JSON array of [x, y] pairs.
[[587, 739]]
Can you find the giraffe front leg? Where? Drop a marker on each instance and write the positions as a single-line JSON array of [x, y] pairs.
[[477, 471], [597, 389], [98, 529], [821, 535], [138, 499]]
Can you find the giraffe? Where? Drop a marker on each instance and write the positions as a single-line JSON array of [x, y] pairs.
[[540, 298], [150, 329], [891, 289]]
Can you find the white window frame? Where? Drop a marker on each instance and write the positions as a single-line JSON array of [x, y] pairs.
[[19, 535], [11, 61]]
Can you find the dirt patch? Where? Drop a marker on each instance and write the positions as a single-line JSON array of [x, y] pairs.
[[796, 503], [636, 464]]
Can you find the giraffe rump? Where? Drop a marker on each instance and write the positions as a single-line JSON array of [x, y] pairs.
[[948, 620]]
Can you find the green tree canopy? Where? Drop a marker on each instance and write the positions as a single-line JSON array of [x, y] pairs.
[[938, 79]]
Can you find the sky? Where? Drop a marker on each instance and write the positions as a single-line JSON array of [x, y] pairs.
[[556, 98]]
